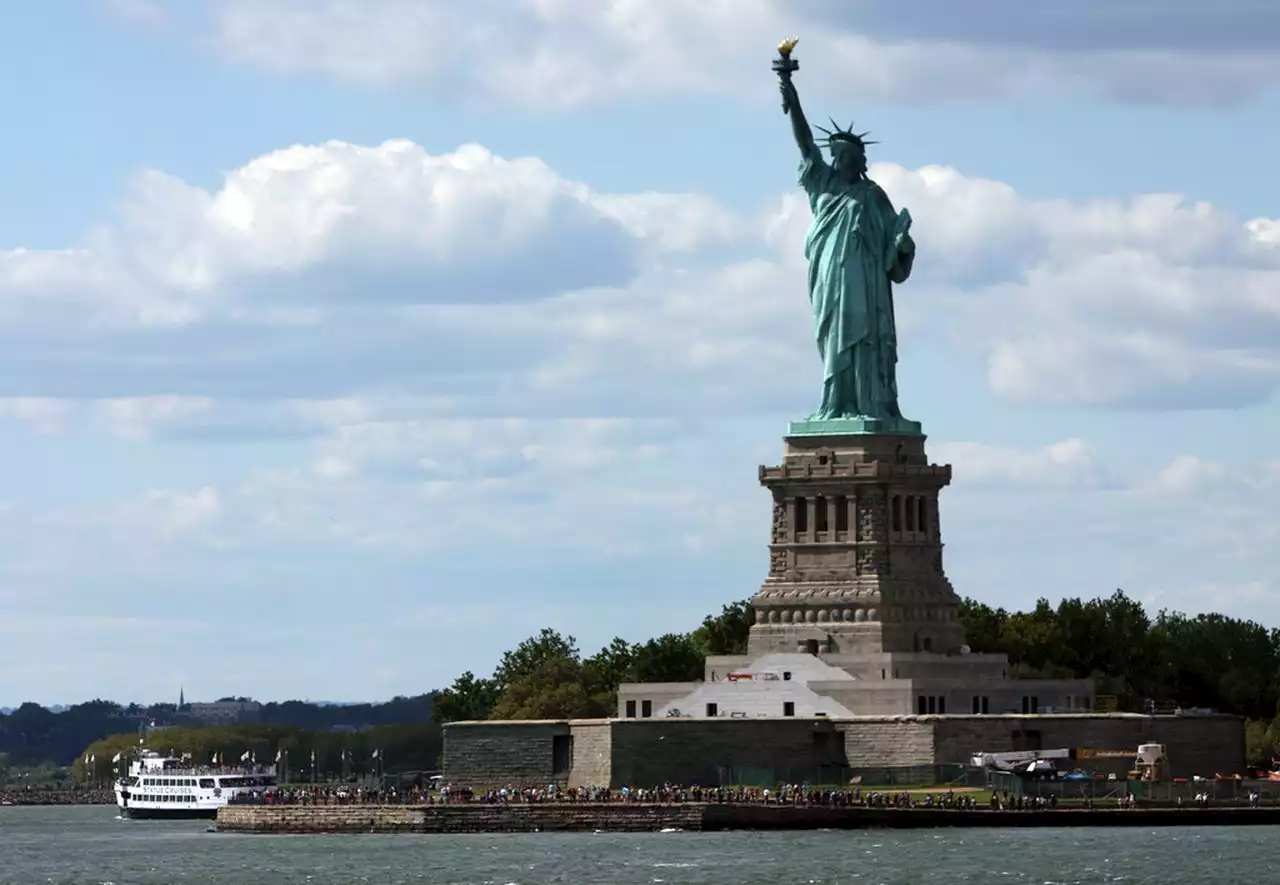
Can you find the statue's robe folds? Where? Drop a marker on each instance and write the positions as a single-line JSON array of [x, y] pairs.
[[857, 247]]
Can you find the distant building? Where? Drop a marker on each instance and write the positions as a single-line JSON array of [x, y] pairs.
[[225, 712]]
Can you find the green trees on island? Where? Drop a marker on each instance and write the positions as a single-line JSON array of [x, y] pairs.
[[545, 677], [401, 748], [1207, 660], [32, 735]]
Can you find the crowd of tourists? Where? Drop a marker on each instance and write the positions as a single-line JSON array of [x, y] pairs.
[[667, 794]]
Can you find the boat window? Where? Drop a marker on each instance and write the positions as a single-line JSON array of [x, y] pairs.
[[206, 783]]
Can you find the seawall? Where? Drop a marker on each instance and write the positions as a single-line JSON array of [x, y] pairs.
[[472, 818], [57, 797], [647, 818]]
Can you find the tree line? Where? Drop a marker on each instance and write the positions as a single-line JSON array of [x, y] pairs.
[[546, 677], [32, 735], [304, 755], [1208, 661]]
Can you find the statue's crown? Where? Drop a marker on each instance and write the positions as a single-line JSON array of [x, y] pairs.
[[839, 134]]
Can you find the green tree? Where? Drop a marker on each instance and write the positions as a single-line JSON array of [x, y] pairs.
[[527, 657], [727, 632], [468, 698], [554, 690], [604, 671], [675, 657]]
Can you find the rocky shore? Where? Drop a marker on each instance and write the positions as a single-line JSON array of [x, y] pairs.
[[644, 817], [57, 797]]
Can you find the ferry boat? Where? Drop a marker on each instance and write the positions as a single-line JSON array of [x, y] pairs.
[[159, 786]]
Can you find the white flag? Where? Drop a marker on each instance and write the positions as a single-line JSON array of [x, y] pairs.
[[278, 752], [375, 753], [244, 757], [115, 758], [93, 758], [86, 758]]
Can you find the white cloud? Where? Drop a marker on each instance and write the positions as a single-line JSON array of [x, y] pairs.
[[1185, 474], [130, 527], [43, 414], [139, 417], [594, 486], [1071, 461], [557, 53]]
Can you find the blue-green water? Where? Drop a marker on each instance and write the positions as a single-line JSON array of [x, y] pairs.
[[90, 845]]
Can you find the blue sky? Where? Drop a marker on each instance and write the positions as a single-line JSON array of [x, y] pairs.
[[345, 344]]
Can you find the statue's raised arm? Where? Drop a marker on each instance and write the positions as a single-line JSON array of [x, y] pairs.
[[784, 66]]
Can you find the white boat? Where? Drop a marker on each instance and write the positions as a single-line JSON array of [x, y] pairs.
[[159, 786]]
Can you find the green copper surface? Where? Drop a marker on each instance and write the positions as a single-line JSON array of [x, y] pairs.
[[857, 248], [853, 426]]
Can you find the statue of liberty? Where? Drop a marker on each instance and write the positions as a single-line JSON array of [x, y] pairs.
[[857, 248]]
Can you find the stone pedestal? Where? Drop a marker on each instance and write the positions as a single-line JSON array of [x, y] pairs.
[[855, 558]]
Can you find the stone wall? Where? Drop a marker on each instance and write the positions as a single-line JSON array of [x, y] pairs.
[[648, 752], [888, 743], [713, 751], [646, 818], [495, 754], [321, 819], [469, 818], [592, 753]]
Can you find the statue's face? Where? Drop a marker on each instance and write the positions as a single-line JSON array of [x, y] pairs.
[[848, 157]]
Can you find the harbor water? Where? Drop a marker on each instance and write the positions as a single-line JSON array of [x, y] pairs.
[[89, 844]]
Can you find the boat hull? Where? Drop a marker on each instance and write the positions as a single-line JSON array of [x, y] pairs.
[[135, 813]]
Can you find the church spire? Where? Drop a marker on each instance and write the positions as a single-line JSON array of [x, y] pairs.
[[182, 699]]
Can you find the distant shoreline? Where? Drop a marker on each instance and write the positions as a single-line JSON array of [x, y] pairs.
[[700, 817], [12, 798]]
